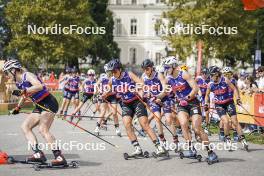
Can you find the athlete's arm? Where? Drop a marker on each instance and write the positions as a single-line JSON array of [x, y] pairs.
[[192, 84], [236, 93], [135, 78], [207, 95], [36, 84], [164, 84]]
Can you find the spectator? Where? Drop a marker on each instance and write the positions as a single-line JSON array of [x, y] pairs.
[[251, 85], [241, 81], [260, 78]]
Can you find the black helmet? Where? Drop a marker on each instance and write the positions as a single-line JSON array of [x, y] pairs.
[[205, 71], [147, 63], [114, 64], [214, 70]]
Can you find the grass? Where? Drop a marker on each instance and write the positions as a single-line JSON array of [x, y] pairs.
[[56, 94], [255, 138]]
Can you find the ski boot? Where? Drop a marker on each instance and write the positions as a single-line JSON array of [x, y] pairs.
[[137, 154], [118, 132], [244, 143], [212, 158], [160, 152], [38, 157], [97, 130], [235, 136], [221, 136], [228, 143], [59, 161], [191, 153]]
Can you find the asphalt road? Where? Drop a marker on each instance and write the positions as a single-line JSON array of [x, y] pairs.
[[100, 159]]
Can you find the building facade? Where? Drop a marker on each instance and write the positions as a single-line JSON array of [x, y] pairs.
[[134, 30]]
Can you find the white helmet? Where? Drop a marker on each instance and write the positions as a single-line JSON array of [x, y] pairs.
[[227, 70], [91, 72], [171, 61], [160, 68], [103, 75], [11, 64], [106, 68]]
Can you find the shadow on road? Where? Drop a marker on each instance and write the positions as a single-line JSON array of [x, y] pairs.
[[49, 156], [231, 160]]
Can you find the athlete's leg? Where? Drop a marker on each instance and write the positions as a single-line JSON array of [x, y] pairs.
[[29, 123]]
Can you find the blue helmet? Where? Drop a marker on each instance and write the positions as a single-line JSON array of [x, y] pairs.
[[205, 71], [114, 64], [147, 63], [214, 70]]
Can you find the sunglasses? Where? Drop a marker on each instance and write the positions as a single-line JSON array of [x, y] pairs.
[[90, 74]]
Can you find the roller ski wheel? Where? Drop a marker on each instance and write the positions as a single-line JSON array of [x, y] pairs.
[[72, 164], [166, 154], [140, 156], [211, 162], [198, 157], [212, 158]]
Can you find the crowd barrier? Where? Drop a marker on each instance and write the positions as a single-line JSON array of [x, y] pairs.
[[252, 110]]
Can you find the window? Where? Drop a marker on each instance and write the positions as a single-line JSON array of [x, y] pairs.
[[133, 2], [132, 55], [118, 27], [158, 58], [118, 2], [133, 27]]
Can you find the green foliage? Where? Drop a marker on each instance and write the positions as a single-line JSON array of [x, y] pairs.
[[34, 49], [213, 13]]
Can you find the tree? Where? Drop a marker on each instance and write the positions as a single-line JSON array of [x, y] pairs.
[[48, 48], [104, 47], [4, 30], [215, 13]]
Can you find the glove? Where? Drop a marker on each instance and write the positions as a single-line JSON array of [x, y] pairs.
[[239, 102], [18, 92], [15, 110], [206, 107]]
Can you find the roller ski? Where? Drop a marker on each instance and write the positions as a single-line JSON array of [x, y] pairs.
[[191, 154], [72, 164], [212, 158], [161, 152], [138, 154], [228, 143], [37, 158]]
